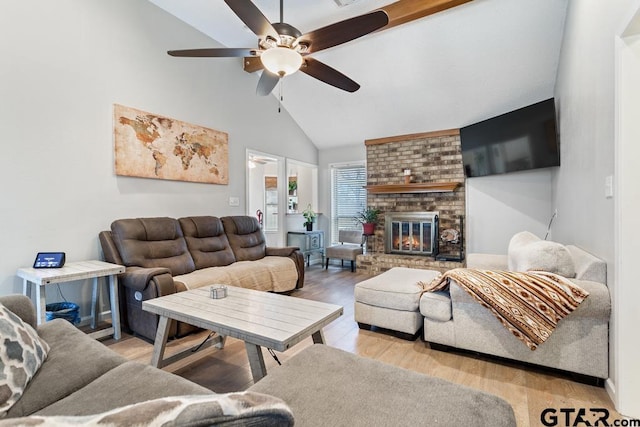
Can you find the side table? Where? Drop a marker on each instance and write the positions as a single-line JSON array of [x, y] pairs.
[[308, 241], [365, 243], [70, 272]]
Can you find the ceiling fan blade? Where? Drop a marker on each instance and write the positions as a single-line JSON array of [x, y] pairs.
[[328, 75], [266, 83], [344, 31], [214, 52], [252, 17]]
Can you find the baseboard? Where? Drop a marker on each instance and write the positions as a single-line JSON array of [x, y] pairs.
[[610, 388]]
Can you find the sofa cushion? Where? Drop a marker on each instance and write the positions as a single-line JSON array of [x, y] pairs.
[[343, 251], [527, 252], [245, 237], [22, 353], [436, 306], [232, 409], [322, 385], [207, 242], [272, 274], [152, 242], [66, 369], [397, 288], [125, 384]]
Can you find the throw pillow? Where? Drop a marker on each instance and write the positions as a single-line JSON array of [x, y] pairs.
[[543, 255], [517, 242], [232, 409], [22, 352]]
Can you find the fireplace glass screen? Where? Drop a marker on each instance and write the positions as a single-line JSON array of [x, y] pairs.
[[411, 234]]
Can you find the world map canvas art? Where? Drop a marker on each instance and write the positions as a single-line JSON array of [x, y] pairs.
[[152, 146]]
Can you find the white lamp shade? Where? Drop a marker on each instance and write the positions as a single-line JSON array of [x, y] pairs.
[[281, 61]]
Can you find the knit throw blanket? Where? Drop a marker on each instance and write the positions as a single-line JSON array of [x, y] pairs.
[[529, 304]]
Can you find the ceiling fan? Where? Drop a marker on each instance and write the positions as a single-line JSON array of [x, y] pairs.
[[283, 49]]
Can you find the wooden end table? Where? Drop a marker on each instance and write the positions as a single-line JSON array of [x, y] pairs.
[[41, 277]]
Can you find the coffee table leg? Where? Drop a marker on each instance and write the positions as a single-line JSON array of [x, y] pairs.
[[256, 361], [318, 337], [161, 341], [223, 340]]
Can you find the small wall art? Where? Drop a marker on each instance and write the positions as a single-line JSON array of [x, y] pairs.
[[148, 145]]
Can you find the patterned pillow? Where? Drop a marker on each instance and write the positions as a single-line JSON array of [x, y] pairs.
[[231, 409], [21, 355]]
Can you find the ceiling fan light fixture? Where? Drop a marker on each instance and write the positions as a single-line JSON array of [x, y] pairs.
[[281, 61]]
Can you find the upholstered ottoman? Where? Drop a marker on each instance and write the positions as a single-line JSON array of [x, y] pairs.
[[391, 300]]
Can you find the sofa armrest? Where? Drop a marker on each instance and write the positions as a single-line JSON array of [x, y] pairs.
[[298, 258], [294, 253], [283, 251], [137, 278], [21, 306], [487, 261]]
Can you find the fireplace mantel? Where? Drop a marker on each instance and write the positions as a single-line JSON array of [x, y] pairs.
[[426, 187]]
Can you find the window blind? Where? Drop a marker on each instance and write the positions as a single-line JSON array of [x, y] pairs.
[[348, 197]]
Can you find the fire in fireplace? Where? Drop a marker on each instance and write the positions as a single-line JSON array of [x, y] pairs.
[[412, 233]]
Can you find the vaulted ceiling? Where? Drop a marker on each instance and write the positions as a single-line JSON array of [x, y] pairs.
[[473, 60]]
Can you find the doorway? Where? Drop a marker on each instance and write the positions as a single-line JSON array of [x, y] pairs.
[[265, 194]]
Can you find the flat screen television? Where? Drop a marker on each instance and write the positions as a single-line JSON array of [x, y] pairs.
[[523, 139]]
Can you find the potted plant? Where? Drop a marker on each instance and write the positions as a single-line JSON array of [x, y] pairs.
[[309, 217], [368, 217], [293, 186]]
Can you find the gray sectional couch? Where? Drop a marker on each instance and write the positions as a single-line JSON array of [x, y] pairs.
[[580, 343], [84, 382]]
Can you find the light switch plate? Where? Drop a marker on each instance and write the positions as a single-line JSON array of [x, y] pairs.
[[608, 186], [234, 201]]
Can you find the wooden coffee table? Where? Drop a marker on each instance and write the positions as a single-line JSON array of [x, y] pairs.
[[258, 318]]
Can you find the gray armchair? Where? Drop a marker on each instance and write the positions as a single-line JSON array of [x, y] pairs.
[[349, 248]]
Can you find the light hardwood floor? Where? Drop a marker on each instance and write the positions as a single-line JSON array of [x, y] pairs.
[[528, 390]]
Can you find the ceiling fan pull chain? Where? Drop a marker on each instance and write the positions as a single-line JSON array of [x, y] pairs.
[[280, 97]]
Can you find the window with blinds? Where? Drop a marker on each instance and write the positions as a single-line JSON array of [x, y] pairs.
[[348, 197]]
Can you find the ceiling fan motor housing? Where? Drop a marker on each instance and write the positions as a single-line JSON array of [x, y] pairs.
[[288, 37]]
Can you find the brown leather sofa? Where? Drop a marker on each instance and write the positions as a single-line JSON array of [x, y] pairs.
[[167, 255]]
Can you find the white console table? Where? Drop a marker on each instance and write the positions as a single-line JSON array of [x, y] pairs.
[[73, 271]]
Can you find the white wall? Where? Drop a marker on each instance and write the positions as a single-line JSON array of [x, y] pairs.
[[585, 94], [64, 64], [627, 229], [499, 206]]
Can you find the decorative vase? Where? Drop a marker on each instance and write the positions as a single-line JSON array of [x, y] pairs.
[[309, 226], [368, 228]]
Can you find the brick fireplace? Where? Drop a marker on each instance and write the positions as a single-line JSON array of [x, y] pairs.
[[433, 162]]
